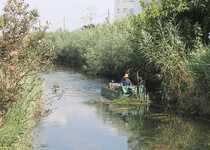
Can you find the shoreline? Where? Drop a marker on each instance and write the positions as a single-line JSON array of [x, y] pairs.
[[22, 117]]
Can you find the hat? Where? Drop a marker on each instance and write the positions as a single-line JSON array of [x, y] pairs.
[[126, 76]]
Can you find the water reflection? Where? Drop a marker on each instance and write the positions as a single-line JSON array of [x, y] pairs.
[[74, 125], [149, 131], [132, 120]]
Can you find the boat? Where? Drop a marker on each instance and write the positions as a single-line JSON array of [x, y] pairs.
[[110, 93], [117, 91]]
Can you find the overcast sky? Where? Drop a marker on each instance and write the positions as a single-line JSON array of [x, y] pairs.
[[74, 12]]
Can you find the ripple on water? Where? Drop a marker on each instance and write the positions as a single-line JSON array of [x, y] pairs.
[[73, 125]]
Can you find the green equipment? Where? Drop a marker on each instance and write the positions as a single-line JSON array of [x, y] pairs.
[[123, 91]]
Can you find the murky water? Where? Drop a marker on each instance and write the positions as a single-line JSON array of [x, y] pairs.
[[74, 125]]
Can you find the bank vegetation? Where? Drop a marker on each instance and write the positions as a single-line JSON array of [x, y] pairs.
[[24, 52], [167, 44]]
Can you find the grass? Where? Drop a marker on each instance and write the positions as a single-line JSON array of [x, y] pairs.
[[129, 101], [16, 133]]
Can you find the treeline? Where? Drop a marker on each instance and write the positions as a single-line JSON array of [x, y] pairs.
[[167, 44], [24, 52], [101, 50]]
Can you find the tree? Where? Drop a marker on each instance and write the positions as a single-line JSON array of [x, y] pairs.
[[24, 51], [18, 22]]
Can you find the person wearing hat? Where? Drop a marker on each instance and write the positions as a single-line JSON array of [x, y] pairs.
[[126, 81]]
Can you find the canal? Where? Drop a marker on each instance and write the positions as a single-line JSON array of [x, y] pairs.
[[72, 124]]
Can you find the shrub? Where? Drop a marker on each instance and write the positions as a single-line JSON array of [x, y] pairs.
[[23, 49], [102, 50]]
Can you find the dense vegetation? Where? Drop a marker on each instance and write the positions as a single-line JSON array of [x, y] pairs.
[[24, 52], [167, 43], [161, 35], [96, 50]]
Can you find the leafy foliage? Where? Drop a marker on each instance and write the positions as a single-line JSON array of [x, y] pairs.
[[171, 37], [22, 47], [101, 50], [166, 44], [24, 52], [163, 48]]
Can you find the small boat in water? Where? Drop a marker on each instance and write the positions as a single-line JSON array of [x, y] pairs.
[[117, 91], [110, 93]]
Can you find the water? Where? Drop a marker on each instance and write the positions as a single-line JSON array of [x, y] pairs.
[[75, 125]]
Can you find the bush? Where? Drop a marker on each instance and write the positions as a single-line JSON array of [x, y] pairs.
[[165, 44], [102, 50], [24, 52], [170, 36]]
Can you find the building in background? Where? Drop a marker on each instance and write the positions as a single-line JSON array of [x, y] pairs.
[[125, 8]]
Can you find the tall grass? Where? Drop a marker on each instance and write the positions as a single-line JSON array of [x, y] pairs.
[[24, 53], [166, 45], [101, 50], [22, 117]]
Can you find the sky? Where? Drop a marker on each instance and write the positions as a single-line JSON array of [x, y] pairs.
[[71, 14]]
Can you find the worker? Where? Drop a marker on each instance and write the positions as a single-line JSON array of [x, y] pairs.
[[126, 81]]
